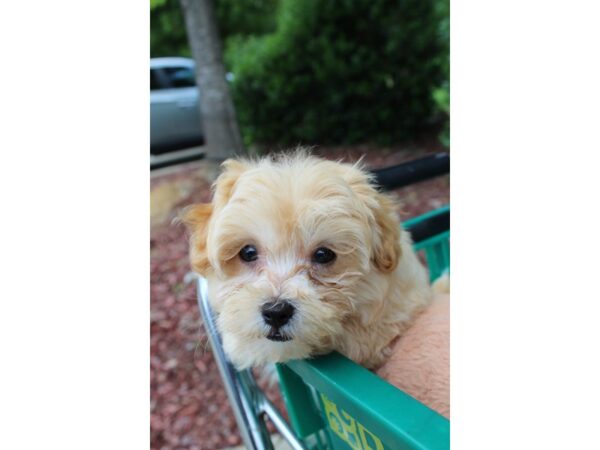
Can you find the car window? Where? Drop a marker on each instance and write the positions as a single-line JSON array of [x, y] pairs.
[[180, 76], [154, 81]]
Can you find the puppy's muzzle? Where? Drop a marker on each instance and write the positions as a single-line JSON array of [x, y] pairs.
[[277, 314]]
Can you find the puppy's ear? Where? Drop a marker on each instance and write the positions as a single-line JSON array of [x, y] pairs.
[[196, 218], [386, 249], [384, 223], [232, 169]]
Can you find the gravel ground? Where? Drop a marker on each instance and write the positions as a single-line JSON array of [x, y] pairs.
[[189, 408]]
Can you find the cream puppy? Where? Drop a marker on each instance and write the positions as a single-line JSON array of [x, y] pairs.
[[304, 256]]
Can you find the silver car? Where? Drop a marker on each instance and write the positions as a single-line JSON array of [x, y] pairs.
[[174, 112]]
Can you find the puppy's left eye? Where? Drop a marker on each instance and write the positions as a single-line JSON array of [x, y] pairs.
[[323, 255], [249, 253]]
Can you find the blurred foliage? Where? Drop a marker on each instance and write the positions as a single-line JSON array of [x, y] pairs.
[[245, 18], [441, 94], [344, 71], [236, 19], [341, 71], [167, 29], [441, 97]]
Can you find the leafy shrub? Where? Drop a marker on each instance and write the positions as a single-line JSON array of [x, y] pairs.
[[441, 94], [245, 18], [235, 18], [167, 29], [339, 71]]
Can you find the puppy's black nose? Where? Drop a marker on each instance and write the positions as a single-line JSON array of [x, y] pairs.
[[277, 314]]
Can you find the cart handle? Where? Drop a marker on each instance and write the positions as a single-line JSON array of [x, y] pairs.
[[412, 172]]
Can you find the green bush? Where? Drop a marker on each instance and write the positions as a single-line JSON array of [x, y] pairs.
[[344, 71], [441, 94], [245, 18], [167, 29], [235, 19]]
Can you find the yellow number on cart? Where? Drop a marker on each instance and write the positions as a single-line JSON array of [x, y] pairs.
[[349, 429]]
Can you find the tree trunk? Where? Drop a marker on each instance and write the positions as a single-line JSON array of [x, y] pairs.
[[221, 131]]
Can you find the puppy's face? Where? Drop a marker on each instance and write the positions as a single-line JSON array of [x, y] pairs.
[[284, 246]]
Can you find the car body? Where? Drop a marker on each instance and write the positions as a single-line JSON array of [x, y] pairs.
[[175, 120]]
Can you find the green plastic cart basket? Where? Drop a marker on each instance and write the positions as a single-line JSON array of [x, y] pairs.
[[332, 402]]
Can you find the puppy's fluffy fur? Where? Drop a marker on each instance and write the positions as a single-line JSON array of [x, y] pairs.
[[287, 207]]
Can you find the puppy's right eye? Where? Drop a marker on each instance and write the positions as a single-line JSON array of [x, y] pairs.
[[323, 255], [249, 253]]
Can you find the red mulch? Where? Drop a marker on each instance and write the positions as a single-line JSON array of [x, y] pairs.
[[189, 408]]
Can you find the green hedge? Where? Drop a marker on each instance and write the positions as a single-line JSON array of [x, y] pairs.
[[167, 29], [342, 71], [236, 18], [441, 95]]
